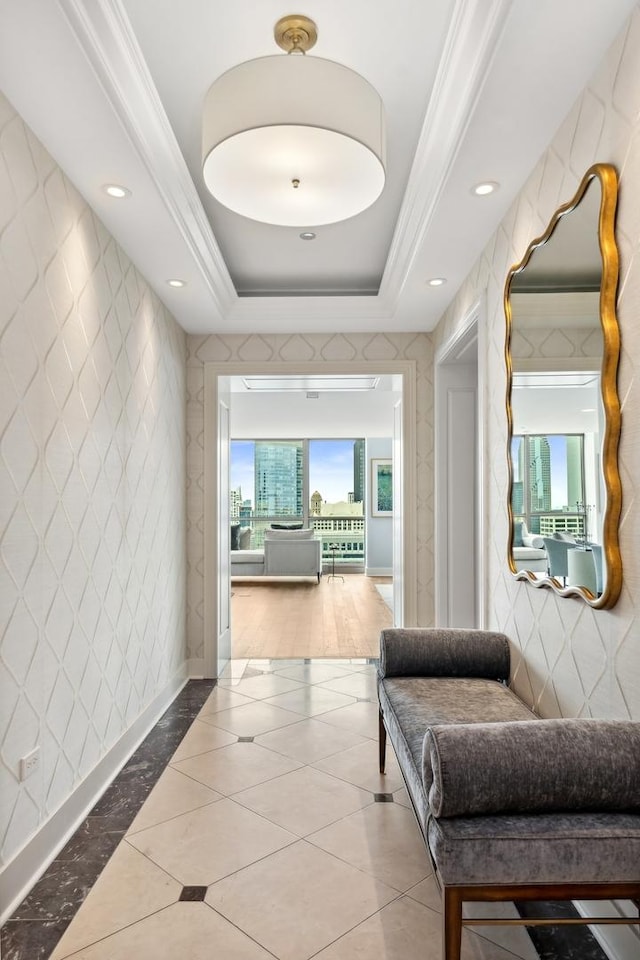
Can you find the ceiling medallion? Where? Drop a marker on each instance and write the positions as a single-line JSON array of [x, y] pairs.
[[295, 33], [293, 140]]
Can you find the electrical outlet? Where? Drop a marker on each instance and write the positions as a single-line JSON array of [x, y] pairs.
[[30, 763]]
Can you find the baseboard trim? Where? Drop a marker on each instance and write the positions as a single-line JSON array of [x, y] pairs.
[[195, 668], [21, 873]]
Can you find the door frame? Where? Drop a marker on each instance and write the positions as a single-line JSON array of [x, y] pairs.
[[450, 352], [216, 513]]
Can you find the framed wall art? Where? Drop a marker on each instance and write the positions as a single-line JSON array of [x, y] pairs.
[[381, 488]]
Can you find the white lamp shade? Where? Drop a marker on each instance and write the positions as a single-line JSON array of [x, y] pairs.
[[275, 121]]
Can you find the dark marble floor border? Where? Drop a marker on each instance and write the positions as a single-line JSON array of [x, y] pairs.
[[34, 929], [551, 943]]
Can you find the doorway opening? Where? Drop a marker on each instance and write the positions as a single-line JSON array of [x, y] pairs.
[[459, 477], [220, 411]]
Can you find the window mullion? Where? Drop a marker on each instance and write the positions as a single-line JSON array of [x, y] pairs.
[[305, 483]]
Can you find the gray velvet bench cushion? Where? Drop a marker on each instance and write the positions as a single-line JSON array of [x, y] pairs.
[[546, 766], [406, 652], [510, 806], [571, 848], [552, 800], [410, 707]]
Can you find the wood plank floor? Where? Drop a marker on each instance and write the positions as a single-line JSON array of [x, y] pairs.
[[299, 618]]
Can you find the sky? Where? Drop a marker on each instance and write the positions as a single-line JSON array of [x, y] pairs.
[[330, 468], [558, 451]]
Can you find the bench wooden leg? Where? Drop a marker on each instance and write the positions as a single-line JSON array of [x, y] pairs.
[[382, 742], [452, 923]]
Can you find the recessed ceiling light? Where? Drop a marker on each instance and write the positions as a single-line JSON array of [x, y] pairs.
[[307, 235], [485, 188], [116, 191], [436, 281], [177, 283]]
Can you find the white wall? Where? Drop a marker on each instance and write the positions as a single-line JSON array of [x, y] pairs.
[[92, 511], [379, 546], [270, 416]]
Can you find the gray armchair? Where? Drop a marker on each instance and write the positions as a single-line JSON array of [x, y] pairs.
[[558, 564], [289, 554], [286, 553]]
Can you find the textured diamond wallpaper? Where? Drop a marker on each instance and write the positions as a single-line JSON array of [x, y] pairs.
[[573, 660], [92, 467]]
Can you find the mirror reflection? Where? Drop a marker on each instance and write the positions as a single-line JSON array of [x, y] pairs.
[[562, 351]]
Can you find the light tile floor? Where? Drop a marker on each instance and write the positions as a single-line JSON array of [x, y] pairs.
[[271, 834]]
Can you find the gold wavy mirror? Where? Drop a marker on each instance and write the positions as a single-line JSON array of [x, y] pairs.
[[562, 349]]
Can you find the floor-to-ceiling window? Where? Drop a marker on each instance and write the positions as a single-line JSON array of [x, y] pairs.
[[337, 490], [549, 483], [318, 483]]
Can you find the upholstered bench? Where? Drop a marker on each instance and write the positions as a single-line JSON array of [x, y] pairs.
[[511, 807]]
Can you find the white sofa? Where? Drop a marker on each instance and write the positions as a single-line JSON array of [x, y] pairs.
[[528, 550], [286, 553]]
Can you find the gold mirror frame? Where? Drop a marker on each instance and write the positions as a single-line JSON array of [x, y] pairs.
[[607, 177]]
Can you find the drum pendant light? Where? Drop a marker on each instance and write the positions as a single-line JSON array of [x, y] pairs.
[[293, 140]]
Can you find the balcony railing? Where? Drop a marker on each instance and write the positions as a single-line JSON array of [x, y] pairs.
[[347, 533]]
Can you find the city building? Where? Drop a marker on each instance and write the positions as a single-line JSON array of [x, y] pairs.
[[235, 503], [575, 471], [517, 498], [341, 526], [278, 479], [359, 471], [538, 463], [562, 523]]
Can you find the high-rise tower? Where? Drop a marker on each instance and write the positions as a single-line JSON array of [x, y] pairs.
[[278, 472], [539, 474], [359, 475]]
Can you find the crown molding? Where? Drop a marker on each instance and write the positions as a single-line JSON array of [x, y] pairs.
[[474, 32], [103, 31], [106, 38], [75, 73], [105, 35], [288, 312]]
